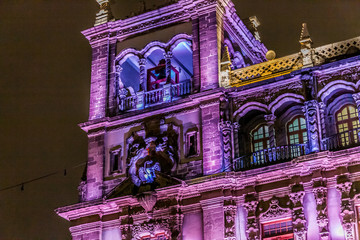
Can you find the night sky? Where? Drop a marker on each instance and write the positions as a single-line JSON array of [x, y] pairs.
[[44, 93]]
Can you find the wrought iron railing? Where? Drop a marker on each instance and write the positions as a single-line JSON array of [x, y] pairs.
[[342, 140], [270, 156], [166, 93]]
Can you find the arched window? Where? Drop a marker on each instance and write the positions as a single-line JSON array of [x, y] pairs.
[[260, 138], [347, 123], [296, 131]]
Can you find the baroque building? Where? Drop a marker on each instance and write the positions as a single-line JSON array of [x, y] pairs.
[[196, 131]]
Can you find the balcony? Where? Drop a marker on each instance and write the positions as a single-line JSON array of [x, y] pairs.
[[269, 156], [165, 93], [342, 140]]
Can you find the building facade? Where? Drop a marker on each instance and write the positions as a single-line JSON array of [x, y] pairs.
[[196, 131]]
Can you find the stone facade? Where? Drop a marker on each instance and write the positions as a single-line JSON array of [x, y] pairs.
[[197, 136]]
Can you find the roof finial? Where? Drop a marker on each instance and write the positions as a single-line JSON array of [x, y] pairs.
[[306, 48], [305, 39], [104, 15]]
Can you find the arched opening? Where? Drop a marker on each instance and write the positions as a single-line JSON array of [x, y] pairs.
[[156, 69], [130, 74]]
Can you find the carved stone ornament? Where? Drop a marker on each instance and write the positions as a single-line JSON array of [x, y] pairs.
[[147, 201], [150, 228], [147, 157], [274, 211], [229, 218]]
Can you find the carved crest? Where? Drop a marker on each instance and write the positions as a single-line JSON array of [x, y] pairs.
[[274, 211]]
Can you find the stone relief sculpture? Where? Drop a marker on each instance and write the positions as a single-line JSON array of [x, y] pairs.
[[147, 157]]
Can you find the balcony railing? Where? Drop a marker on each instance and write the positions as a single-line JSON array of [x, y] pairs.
[[342, 140], [166, 93], [270, 156]]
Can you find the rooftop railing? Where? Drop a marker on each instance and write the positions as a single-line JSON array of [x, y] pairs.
[[269, 156]]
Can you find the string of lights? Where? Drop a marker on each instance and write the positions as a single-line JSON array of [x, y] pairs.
[[22, 184]]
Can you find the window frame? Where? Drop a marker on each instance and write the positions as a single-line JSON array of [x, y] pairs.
[[113, 152], [345, 138], [281, 236], [299, 132], [265, 140]]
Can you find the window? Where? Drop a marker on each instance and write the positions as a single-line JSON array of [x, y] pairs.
[[191, 144], [260, 139], [279, 230], [115, 160], [297, 132], [347, 123]]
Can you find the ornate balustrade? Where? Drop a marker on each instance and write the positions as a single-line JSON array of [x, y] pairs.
[[269, 156], [342, 140], [166, 93], [180, 89]]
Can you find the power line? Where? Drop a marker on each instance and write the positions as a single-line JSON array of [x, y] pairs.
[[22, 184]]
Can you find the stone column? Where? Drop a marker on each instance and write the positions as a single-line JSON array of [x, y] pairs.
[[142, 82], [95, 165], [252, 225], [320, 193], [347, 210], [213, 219], [225, 127], [311, 111], [270, 121], [298, 216], [229, 220], [168, 55], [322, 109]]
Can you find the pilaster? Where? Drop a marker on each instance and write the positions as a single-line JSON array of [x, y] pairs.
[[95, 165], [211, 137], [298, 216], [210, 34], [213, 219], [311, 111], [320, 193], [347, 209], [252, 225]]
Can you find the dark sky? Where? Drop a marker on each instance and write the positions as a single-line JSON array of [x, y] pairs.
[[44, 94]]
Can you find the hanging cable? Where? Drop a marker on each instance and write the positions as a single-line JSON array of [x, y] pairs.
[[22, 184]]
